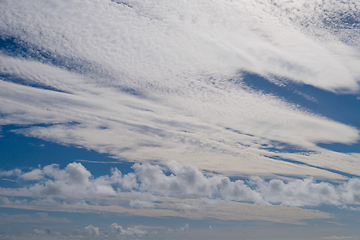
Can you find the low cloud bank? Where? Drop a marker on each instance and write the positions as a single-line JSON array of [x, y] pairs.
[[148, 182]]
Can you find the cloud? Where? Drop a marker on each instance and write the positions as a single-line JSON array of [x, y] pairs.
[[304, 192], [351, 191], [149, 182], [185, 228], [4, 201], [292, 38], [140, 204], [119, 230], [72, 182], [23, 218], [15, 172], [342, 237], [35, 174], [45, 231], [91, 230], [188, 103], [188, 181]]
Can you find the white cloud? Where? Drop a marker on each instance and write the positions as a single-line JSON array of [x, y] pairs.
[[75, 183], [351, 191], [298, 193], [72, 182], [35, 174], [169, 135], [15, 172], [45, 231], [160, 132], [282, 38], [189, 92], [342, 237], [185, 228], [140, 204], [4, 201], [91, 230], [188, 181], [117, 229]]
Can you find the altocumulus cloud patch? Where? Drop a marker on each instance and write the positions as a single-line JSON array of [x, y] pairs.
[[184, 100]]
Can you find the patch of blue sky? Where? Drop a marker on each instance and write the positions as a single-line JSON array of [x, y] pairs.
[[313, 166], [343, 20], [16, 47], [26, 82], [342, 108], [19, 151]]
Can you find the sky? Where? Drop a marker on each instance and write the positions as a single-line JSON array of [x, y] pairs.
[[162, 119]]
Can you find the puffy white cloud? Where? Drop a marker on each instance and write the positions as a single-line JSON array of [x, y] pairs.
[[188, 181], [91, 230], [185, 228], [117, 229], [75, 185], [351, 191], [72, 182], [35, 174], [45, 231], [304, 192], [4, 201]]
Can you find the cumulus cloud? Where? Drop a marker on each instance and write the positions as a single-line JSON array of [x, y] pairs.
[[304, 192], [45, 231], [351, 191], [119, 230], [76, 183], [188, 181], [185, 228], [4, 201], [342, 237], [91, 230], [35, 174]]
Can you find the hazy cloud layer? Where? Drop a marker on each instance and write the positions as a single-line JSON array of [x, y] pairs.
[[26, 218]]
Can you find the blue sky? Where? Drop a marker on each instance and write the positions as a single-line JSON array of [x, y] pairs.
[[154, 119]]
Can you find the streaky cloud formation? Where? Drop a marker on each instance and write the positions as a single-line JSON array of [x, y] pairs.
[[164, 39], [78, 72]]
